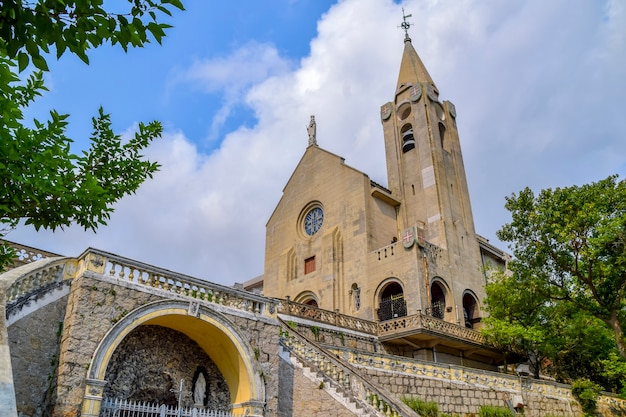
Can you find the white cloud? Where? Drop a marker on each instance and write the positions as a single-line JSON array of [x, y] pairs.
[[232, 76], [538, 88]]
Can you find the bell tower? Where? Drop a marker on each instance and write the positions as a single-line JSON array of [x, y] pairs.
[[424, 162]]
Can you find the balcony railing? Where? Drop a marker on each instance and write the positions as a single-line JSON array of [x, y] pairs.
[[387, 328], [431, 324]]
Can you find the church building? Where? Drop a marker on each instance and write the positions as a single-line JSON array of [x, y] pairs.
[[341, 242]]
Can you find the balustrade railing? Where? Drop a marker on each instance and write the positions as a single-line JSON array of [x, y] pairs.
[[403, 324], [128, 270], [26, 254], [326, 316], [124, 269], [453, 373], [432, 324], [346, 377], [48, 274]]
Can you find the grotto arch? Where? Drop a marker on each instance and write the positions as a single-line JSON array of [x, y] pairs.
[[215, 333]]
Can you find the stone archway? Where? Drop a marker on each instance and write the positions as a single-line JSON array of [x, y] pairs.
[[151, 361], [391, 301], [213, 332], [308, 298], [470, 310]]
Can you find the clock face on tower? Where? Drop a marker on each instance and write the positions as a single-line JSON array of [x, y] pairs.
[[313, 220]]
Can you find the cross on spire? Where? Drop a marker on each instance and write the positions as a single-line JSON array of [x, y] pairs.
[[405, 25]]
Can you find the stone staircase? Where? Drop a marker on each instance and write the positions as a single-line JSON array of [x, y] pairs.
[[338, 378]]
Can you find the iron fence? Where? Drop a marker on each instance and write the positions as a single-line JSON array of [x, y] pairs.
[[127, 408]]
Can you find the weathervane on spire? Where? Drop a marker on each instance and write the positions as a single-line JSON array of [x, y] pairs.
[[405, 25]]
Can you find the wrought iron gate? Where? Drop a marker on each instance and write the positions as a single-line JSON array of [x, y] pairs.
[[392, 307]]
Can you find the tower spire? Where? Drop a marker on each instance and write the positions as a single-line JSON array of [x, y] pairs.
[[412, 70]]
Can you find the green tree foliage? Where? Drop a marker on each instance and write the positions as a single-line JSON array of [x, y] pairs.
[[569, 245], [42, 181], [614, 369], [586, 393], [516, 320], [562, 302], [29, 28]]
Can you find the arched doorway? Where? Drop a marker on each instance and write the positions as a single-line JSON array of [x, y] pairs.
[[391, 303], [470, 310], [219, 338], [307, 297], [437, 300]]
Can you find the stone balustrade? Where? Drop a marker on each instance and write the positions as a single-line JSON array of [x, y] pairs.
[[26, 254], [453, 373], [421, 321], [388, 328], [346, 377], [129, 270], [472, 379], [34, 278], [326, 316]]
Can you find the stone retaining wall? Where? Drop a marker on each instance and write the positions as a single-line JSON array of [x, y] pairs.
[[34, 344], [466, 399]]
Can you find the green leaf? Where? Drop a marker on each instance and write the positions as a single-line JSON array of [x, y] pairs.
[[22, 59], [40, 63]]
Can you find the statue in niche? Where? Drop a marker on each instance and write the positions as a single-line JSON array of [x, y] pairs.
[[312, 130], [199, 388]]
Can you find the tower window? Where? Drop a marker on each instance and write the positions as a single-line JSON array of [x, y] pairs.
[[309, 265], [442, 135], [437, 301], [408, 140]]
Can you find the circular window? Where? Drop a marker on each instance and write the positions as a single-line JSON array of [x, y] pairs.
[[313, 220], [404, 111]]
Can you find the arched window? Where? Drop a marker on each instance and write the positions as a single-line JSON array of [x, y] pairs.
[[442, 135], [392, 303], [408, 140], [470, 310], [355, 293], [437, 300]]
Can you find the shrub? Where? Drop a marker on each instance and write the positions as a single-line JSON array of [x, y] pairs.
[[423, 408], [494, 411], [586, 393]]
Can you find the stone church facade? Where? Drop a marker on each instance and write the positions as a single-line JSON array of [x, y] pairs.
[[341, 242]]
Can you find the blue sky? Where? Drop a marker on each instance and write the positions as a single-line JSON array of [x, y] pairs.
[[150, 83], [538, 87]]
